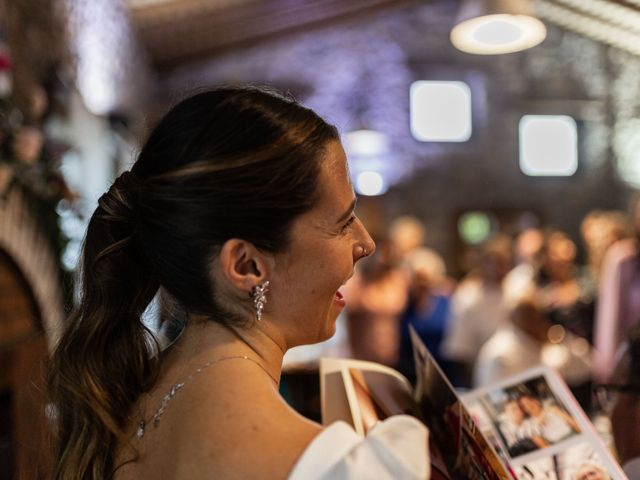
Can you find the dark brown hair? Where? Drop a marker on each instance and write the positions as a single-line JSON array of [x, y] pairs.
[[228, 163]]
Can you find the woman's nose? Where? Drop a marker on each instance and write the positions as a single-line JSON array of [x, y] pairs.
[[366, 245], [370, 245]]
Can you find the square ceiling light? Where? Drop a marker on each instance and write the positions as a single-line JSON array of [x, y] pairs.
[[440, 111], [548, 145]]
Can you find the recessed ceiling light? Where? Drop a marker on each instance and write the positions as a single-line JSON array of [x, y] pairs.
[[440, 111], [548, 145]]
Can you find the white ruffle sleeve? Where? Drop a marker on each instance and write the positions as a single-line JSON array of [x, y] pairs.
[[394, 449]]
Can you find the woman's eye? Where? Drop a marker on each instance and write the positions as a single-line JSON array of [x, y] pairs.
[[348, 223]]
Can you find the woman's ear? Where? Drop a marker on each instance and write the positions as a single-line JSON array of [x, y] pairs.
[[242, 264]]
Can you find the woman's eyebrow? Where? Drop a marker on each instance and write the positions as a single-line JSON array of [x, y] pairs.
[[348, 212]]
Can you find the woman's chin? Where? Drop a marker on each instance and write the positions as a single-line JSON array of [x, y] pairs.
[[325, 335], [331, 331]]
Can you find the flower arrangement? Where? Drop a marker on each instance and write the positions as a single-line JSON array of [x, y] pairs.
[[29, 161]]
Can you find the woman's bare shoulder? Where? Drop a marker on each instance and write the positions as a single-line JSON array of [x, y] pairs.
[[225, 428]]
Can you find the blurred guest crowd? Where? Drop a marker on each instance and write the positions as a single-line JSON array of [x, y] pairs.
[[526, 300]]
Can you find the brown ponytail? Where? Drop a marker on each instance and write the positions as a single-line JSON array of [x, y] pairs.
[[103, 361]]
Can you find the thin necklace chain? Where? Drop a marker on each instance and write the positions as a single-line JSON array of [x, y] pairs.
[[164, 402]]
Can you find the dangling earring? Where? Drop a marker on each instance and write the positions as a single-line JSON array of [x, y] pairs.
[[259, 297]]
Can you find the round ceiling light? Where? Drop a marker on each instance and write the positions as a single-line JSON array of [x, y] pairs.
[[498, 34]]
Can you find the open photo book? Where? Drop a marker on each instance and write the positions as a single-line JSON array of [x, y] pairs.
[[526, 427]]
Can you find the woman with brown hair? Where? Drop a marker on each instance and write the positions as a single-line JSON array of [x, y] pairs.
[[240, 209]]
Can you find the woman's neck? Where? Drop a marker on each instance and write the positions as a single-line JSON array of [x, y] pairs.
[[204, 341]]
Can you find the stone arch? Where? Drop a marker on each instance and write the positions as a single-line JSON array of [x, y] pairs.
[[23, 354], [31, 317], [28, 248]]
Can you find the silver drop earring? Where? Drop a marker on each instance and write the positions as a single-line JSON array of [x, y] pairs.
[[259, 296]]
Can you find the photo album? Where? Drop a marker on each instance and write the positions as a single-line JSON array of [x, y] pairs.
[[526, 427]]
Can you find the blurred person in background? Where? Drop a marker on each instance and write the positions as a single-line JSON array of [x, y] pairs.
[[529, 339], [564, 290], [624, 393], [406, 233], [377, 295], [618, 309], [599, 230], [427, 310], [529, 257], [477, 309]]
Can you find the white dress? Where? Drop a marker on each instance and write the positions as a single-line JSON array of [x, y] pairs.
[[477, 311], [555, 428], [394, 449]]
